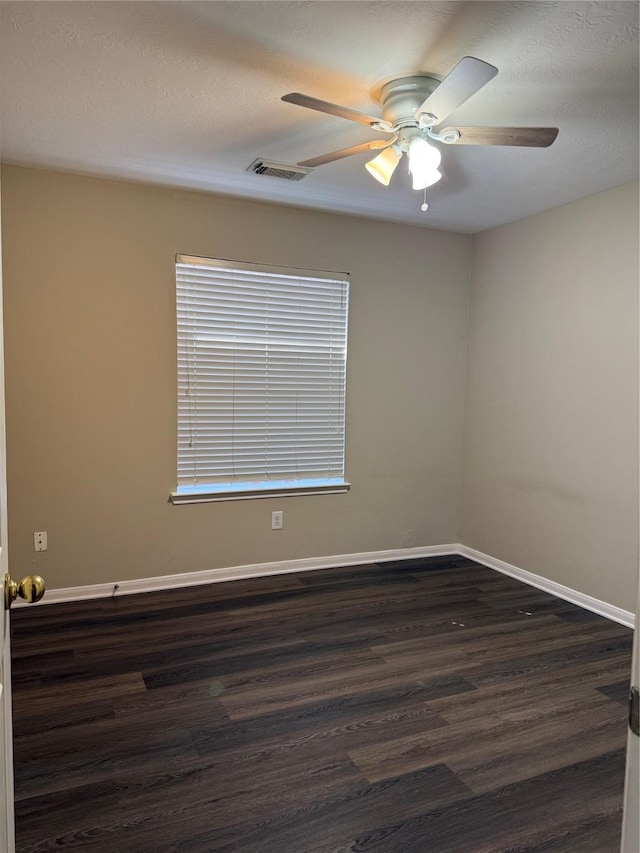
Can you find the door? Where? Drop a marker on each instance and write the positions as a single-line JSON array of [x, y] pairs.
[[631, 820], [6, 741], [31, 589]]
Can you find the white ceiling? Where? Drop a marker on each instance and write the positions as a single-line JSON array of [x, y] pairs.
[[188, 95]]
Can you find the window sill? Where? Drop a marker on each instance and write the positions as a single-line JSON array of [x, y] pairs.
[[244, 492]]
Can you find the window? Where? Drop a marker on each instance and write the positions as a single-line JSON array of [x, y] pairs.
[[261, 380]]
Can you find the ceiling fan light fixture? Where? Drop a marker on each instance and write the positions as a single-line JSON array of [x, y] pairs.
[[424, 160], [384, 165], [413, 124]]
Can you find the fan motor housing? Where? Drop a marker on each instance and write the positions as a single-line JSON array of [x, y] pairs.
[[400, 98]]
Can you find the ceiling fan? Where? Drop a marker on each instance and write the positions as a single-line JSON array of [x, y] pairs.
[[412, 107]]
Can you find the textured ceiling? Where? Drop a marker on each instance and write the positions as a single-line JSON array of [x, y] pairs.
[[188, 95]]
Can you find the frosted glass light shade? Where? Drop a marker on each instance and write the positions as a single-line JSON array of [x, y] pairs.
[[384, 165], [424, 160], [426, 179]]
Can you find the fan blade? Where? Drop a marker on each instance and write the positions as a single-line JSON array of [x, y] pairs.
[[533, 137], [337, 110], [468, 77], [347, 152]]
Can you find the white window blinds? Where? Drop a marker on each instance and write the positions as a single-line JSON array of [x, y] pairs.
[[261, 378]]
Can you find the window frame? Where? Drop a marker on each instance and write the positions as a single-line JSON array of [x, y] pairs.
[[268, 485]]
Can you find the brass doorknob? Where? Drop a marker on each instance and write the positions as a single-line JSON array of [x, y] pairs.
[[31, 588]]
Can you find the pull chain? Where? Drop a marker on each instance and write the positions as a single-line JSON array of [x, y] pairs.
[[424, 206]]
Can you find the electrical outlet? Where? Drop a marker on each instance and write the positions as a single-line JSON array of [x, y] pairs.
[[277, 519], [40, 541]]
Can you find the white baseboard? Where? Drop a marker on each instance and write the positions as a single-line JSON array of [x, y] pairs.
[[617, 614], [307, 564]]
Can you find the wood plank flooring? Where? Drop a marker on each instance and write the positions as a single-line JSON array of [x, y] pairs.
[[425, 706]]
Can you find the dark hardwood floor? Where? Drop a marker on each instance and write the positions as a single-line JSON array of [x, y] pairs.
[[428, 706]]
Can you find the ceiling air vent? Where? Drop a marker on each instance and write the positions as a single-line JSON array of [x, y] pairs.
[[278, 170]]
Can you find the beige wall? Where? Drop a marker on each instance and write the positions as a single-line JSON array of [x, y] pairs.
[[551, 425], [91, 376], [550, 449]]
